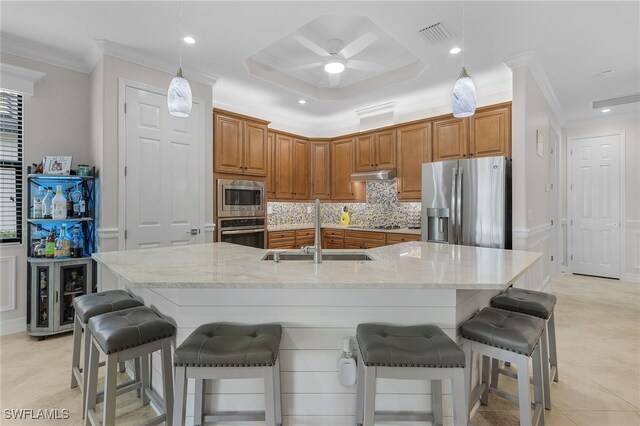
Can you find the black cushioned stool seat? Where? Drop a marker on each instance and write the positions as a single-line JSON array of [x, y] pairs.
[[128, 328], [411, 346], [536, 303], [86, 307], [128, 334], [218, 351], [501, 335], [230, 345], [508, 330], [416, 352]]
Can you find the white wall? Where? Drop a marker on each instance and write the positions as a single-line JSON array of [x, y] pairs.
[[104, 141], [56, 122], [531, 202], [631, 156]]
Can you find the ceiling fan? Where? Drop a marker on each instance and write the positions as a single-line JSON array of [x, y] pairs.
[[336, 56]]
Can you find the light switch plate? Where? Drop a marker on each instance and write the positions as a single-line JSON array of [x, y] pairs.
[[269, 208]]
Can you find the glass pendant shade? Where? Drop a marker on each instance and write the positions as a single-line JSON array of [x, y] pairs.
[[463, 98], [179, 98]]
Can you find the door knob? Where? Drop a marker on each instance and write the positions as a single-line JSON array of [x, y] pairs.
[[193, 231]]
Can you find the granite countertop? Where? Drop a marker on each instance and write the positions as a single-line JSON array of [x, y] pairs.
[[289, 227], [414, 265]]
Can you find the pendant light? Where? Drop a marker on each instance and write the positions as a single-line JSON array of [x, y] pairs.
[[463, 98], [179, 99]]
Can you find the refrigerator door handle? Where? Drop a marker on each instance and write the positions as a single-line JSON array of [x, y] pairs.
[[452, 215], [459, 206]]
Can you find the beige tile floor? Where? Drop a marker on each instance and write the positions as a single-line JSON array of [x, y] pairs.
[[598, 328]]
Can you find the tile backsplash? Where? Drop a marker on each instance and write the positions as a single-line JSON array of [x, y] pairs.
[[381, 209]]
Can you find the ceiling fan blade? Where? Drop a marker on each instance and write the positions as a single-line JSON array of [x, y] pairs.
[[334, 79], [304, 66], [358, 45], [364, 66], [312, 46]]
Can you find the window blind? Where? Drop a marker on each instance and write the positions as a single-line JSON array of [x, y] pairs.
[[10, 167]]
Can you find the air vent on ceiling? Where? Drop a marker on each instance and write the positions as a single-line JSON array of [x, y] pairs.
[[435, 33], [621, 100]]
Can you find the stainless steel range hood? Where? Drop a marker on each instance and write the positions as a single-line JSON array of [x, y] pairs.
[[373, 175]]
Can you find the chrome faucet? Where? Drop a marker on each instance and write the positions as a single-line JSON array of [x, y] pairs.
[[316, 249]]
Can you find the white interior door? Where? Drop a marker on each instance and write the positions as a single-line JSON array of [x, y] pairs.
[[595, 206], [162, 175]]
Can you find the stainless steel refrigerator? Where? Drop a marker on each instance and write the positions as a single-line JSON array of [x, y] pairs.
[[467, 202]]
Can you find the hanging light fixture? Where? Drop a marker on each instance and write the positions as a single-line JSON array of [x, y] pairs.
[[179, 99], [463, 98]]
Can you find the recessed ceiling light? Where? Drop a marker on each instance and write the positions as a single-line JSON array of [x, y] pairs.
[[334, 67], [455, 50], [606, 110], [302, 101], [189, 40]]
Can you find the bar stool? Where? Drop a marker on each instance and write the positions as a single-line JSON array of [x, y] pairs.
[[229, 351], [420, 352], [86, 307], [512, 337], [120, 336], [536, 303]]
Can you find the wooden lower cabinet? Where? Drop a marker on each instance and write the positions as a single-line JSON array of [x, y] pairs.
[[291, 239], [364, 239], [332, 239], [401, 238]]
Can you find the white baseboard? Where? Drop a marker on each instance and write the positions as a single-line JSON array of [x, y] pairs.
[[14, 325], [631, 277]]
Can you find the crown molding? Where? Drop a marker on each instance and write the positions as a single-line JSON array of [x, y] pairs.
[[140, 57], [600, 120], [19, 46], [530, 60]]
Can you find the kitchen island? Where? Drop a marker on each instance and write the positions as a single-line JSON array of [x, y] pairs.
[[317, 305]]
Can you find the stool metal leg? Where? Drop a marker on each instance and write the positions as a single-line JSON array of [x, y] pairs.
[[167, 380], [360, 391], [110, 382], [276, 386], [269, 397], [553, 356], [198, 408], [544, 347], [75, 358], [369, 395], [180, 400], [460, 410], [436, 401], [523, 390]]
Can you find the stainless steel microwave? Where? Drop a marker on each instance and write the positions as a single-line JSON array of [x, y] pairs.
[[240, 198]]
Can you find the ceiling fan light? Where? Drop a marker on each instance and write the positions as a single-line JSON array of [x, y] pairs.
[[463, 97], [334, 67], [179, 99]]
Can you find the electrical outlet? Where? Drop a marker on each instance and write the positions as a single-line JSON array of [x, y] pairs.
[[269, 208], [309, 209]]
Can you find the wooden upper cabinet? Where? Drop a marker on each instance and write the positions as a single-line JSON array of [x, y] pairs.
[[228, 144], [414, 146], [300, 161], [271, 166], [490, 132], [365, 153], [375, 151], [284, 166], [255, 148], [342, 165], [386, 149], [320, 170], [449, 139], [240, 145]]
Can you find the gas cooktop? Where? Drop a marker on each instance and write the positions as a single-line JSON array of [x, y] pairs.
[[388, 227]]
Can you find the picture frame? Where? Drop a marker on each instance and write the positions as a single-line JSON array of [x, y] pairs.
[[540, 143], [57, 165]]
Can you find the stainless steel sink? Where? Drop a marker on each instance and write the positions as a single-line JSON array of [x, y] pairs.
[[326, 256]]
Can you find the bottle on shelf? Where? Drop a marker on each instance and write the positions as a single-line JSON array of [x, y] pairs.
[[47, 202], [69, 204], [59, 205], [37, 212], [50, 244], [78, 202], [39, 249], [63, 244], [77, 244]]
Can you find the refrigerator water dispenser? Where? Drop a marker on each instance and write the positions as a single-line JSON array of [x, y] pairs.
[[437, 225]]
